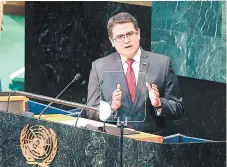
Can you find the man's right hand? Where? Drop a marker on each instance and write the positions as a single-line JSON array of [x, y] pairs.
[[116, 98]]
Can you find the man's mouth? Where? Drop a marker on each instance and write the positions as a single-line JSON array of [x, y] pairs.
[[128, 47]]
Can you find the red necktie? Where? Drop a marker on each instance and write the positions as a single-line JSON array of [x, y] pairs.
[[131, 80]]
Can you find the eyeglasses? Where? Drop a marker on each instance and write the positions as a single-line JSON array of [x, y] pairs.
[[130, 35]]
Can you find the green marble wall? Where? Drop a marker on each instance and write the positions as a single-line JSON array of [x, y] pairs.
[[193, 34]]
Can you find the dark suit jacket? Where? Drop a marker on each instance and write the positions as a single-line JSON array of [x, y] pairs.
[[154, 68]]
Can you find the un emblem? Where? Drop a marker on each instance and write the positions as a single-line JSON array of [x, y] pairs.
[[38, 145]]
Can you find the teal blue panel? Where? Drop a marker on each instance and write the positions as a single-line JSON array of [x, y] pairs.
[[12, 48]]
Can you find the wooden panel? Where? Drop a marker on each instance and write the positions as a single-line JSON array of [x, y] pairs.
[[146, 137], [14, 98], [82, 122], [14, 8], [16, 3], [141, 3], [14, 101]]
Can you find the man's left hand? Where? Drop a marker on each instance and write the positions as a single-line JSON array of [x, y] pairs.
[[154, 95]]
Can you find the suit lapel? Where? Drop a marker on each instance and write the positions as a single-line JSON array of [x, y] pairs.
[[119, 68], [144, 64]]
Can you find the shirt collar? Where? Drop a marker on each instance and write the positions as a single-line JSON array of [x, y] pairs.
[[136, 58]]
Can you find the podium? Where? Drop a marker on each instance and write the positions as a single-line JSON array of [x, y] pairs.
[[81, 147]]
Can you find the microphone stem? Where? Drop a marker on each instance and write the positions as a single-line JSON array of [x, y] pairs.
[[7, 110], [65, 88], [78, 117], [56, 97], [87, 103]]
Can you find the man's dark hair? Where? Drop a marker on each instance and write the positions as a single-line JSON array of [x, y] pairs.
[[121, 18]]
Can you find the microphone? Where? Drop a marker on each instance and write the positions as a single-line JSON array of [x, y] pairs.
[[76, 77], [98, 86]]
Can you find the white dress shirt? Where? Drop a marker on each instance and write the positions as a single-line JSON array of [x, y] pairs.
[[135, 64]]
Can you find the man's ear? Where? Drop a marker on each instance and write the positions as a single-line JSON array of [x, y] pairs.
[[112, 42]]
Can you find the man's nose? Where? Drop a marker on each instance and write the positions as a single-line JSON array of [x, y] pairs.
[[126, 39]]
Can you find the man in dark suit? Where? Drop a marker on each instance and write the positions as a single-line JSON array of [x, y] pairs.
[[137, 84]]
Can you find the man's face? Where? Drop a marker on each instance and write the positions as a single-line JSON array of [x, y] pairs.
[[126, 39]]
